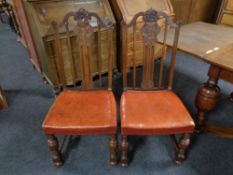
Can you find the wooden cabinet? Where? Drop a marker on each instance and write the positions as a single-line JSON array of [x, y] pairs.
[[21, 36], [26, 33], [226, 13], [40, 15], [188, 11], [124, 11]]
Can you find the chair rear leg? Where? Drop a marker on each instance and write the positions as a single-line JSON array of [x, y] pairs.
[[54, 148], [183, 146], [231, 97], [113, 149], [124, 151]]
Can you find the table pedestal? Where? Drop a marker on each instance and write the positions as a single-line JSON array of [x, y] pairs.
[[206, 100], [207, 97]]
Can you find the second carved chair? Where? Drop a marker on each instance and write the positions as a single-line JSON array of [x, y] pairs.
[[147, 108], [88, 110]]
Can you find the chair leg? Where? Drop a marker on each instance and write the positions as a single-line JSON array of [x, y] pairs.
[[124, 151], [231, 97], [183, 146], [54, 148], [113, 149]]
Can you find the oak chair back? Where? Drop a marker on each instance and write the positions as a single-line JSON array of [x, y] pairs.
[[153, 34], [86, 25]]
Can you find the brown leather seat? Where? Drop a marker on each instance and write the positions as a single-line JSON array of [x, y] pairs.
[[154, 112], [82, 112]]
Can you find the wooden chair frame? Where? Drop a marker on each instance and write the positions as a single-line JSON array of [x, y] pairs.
[[150, 32], [84, 31]]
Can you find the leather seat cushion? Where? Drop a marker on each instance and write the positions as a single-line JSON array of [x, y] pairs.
[[82, 112], [154, 112]]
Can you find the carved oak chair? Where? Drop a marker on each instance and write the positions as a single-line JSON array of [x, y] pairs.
[[148, 108], [89, 109]]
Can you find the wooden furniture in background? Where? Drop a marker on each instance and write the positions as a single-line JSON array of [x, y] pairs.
[[2, 12], [7, 8], [3, 103], [188, 11], [42, 13], [210, 42], [86, 111], [148, 108], [226, 13], [124, 12], [20, 34], [26, 34]]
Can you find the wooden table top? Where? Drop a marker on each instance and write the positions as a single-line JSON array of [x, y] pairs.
[[212, 43], [222, 57]]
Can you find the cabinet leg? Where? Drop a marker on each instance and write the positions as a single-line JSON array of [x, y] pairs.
[[206, 101]]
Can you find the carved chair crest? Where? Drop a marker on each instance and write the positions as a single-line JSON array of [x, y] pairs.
[[83, 30], [150, 31]]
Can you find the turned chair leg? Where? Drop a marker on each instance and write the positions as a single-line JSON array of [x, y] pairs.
[[231, 97], [183, 146], [124, 151], [113, 149], [54, 148]]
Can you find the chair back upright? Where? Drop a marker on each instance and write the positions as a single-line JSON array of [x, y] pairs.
[[153, 34], [84, 30]]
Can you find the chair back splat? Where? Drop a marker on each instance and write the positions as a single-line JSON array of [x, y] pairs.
[[87, 24], [146, 25]]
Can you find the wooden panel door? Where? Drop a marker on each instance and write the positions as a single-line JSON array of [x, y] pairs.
[[188, 11]]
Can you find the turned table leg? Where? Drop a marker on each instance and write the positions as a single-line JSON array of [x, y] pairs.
[[207, 97]]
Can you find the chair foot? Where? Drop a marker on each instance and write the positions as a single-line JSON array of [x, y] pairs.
[[124, 151], [54, 148], [44, 80], [231, 97], [183, 146], [113, 149]]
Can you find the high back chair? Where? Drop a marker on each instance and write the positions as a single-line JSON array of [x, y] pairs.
[[149, 107], [86, 110]]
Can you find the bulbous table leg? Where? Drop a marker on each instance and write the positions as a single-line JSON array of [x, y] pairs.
[[206, 100], [207, 97]]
